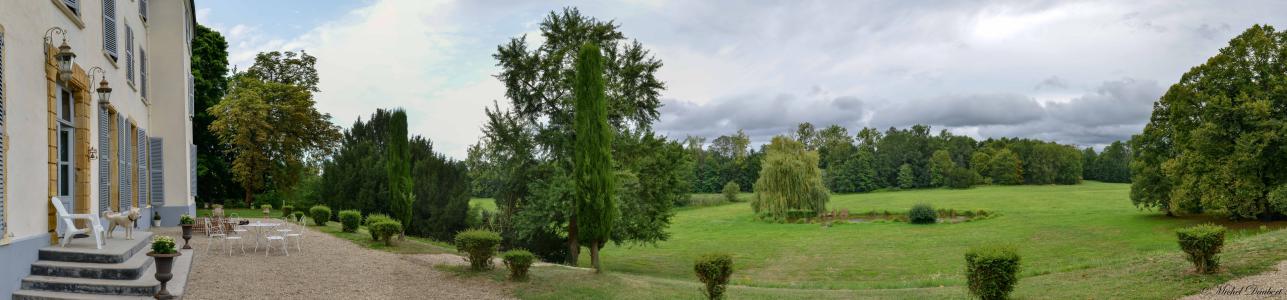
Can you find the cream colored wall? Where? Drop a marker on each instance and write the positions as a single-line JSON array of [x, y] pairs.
[[25, 23], [170, 96]]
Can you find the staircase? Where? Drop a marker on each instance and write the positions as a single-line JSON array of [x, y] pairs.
[[121, 270]]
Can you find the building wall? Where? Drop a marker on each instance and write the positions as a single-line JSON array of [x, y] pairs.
[[27, 109]]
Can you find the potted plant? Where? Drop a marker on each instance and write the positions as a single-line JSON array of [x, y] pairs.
[[186, 222], [156, 219], [163, 254], [217, 212], [267, 209]]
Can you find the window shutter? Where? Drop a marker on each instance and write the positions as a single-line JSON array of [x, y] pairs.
[[129, 54], [109, 28], [121, 165], [192, 169], [104, 160], [142, 167], [3, 139], [143, 70], [191, 96], [74, 5], [143, 9], [158, 180]]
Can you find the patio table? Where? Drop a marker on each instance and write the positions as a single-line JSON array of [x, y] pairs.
[[258, 227]]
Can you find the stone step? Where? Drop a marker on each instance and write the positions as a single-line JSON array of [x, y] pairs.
[[117, 250], [140, 287], [48, 295], [128, 270]]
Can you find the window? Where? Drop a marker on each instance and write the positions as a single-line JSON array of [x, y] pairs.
[[73, 6], [66, 142], [129, 55], [109, 29]]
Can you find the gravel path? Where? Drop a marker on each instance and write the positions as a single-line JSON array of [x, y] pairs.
[[1268, 285], [328, 268]]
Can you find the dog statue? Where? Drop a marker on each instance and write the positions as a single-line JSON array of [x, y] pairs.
[[122, 219]]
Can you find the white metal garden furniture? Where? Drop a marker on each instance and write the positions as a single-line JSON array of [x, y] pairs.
[[298, 235], [95, 227], [219, 233]]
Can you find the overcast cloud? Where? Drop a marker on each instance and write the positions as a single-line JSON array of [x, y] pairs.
[[1082, 72]]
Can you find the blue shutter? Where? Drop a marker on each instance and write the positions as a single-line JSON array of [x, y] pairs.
[[121, 160], [109, 28], [129, 54], [143, 70], [104, 159], [158, 180], [3, 139], [143, 9], [74, 5], [142, 167], [192, 169]]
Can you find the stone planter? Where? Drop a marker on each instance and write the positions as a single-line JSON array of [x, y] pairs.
[[164, 264], [187, 234]]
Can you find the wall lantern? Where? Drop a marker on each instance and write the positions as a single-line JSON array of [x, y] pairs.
[[93, 153], [66, 58], [104, 90]]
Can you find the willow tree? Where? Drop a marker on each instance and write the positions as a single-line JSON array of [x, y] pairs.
[[789, 180], [398, 165], [1216, 139], [592, 162]]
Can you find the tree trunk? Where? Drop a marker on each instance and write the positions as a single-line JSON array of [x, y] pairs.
[[574, 249], [250, 198], [594, 257]]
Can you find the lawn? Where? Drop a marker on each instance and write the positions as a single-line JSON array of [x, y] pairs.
[[1085, 236]]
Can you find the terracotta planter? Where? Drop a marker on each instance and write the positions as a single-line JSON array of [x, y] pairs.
[[164, 264], [187, 234]]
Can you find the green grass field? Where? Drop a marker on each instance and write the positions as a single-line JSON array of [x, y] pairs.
[[1077, 242]]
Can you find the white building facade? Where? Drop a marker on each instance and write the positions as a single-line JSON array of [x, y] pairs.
[[60, 138]]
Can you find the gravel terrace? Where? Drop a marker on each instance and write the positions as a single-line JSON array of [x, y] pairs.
[[327, 268], [1269, 285]]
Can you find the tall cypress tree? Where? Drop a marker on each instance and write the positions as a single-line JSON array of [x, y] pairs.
[[595, 208], [398, 165]]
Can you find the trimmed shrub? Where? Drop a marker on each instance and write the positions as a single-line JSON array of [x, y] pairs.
[[385, 230], [992, 272], [922, 214], [299, 216], [518, 261], [714, 270], [731, 189], [350, 219], [373, 219], [287, 210], [1201, 243], [479, 246], [320, 214]]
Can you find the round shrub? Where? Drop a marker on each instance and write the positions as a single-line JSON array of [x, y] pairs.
[[320, 214], [518, 261], [731, 189], [1278, 199], [372, 219], [922, 214], [299, 216], [992, 272], [385, 230], [714, 270], [479, 246], [286, 210], [349, 220], [1201, 243]]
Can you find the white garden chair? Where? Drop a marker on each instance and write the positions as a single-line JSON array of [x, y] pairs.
[[268, 244], [70, 230], [218, 233], [298, 235]]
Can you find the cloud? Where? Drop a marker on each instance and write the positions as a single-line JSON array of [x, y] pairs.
[[1118, 102], [1052, 82], [961, 110], [762, 116]]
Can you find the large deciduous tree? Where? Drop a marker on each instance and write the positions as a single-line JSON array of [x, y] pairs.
[[1217, 140], [269, 125], [789, 180]]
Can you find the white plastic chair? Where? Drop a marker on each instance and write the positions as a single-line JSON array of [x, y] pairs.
[[217, 233], [70, 230], [268, 244]]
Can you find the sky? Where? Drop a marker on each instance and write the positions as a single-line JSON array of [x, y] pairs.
[[1077, 72]]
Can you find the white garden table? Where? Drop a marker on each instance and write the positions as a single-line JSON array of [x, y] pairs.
[[258, 227]]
